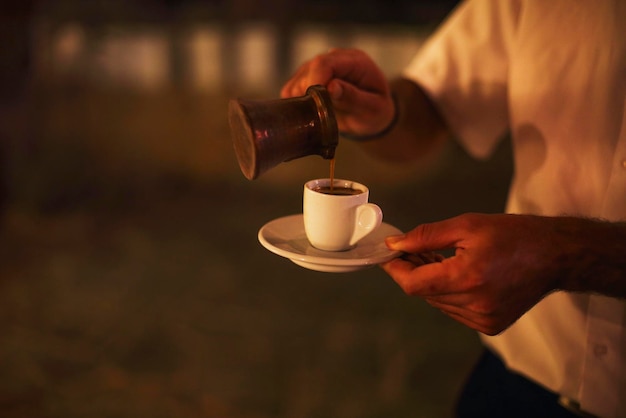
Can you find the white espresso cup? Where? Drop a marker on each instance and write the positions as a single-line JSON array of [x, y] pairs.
[[336, 220]]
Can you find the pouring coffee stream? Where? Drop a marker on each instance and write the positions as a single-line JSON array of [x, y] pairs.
[[266, 133]]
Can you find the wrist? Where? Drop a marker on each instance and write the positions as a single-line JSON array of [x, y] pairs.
[[593, 256]]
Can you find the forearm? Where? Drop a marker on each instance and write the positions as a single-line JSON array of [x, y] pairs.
[[594, 256], [418, 131]]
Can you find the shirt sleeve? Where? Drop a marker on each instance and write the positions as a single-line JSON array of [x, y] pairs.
[[463, 67]]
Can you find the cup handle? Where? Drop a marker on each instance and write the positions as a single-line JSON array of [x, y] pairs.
[[368, 217]]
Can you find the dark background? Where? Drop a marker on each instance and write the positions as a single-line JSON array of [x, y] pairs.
[[132, 282]]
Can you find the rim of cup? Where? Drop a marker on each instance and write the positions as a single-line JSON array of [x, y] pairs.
[[325, 182]]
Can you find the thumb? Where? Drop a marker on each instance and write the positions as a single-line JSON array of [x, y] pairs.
[[427, 237], [347, 96], [358, 111]]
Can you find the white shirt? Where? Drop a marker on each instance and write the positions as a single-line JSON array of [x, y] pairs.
[[553, 74]]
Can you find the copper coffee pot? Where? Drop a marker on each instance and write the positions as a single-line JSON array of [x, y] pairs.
[[266, 133]]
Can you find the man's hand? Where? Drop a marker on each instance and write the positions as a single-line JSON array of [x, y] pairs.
[[504, 264], [358, 88]]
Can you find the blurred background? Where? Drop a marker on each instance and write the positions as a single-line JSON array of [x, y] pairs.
[[131, 280]]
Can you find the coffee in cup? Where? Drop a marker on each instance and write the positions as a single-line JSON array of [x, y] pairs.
[[337, 215]]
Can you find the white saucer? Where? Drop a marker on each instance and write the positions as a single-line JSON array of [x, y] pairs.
[[286, 237]]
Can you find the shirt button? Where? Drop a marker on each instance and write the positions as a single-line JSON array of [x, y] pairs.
[[623, 163]]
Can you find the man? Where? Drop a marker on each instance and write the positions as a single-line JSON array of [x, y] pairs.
[[544, 284]]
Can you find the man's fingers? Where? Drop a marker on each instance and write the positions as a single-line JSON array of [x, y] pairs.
[[425, 280], [431, 236], [423, 258], [418, 279], [487, 324], [353, 66]]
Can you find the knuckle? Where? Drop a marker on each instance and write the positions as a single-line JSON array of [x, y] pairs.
[[496, 328], [408, 287], [319, 62], [490, 331], [470, 221], [422, 232], [405, 287], [490, 326]]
